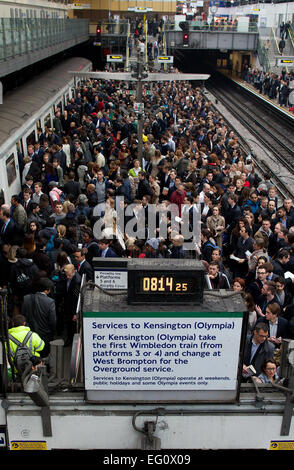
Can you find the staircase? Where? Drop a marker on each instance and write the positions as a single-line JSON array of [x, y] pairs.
[[270, 41]]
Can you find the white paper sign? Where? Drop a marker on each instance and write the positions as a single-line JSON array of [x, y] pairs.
[[111, 279]]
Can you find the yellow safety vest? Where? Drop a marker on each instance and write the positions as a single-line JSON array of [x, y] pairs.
[[35, 343]]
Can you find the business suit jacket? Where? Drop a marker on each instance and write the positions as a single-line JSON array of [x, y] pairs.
[[232, 215], [265, 351], [282, 330], [72, 187], [7, 233], [109, 253], [71, 295], [86, 268]]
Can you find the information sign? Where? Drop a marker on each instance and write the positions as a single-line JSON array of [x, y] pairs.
[[111, 273], [285, 61], [110, 279], [114, 58], [161, 351], [168, 59]]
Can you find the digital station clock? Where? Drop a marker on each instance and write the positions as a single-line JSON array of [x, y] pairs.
[[165, 281]]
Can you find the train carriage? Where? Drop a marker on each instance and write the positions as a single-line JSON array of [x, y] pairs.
[[27, 109]]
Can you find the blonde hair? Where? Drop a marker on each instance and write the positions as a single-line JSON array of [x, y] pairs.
[[61, 231], [69, 268]]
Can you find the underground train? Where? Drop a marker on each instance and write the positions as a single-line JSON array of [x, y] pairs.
[[27, 109], [33, 9]]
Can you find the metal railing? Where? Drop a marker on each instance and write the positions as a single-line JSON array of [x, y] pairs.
[[274, 40], [212, 27], [19, 36], [291, 35], [263, 56]]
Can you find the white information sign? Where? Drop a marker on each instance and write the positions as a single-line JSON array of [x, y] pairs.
[[111, 279], [161, 351]]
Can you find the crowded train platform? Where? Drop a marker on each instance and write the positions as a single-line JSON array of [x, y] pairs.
[[86, 171]]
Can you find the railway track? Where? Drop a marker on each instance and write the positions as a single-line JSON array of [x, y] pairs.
[[272, 131]]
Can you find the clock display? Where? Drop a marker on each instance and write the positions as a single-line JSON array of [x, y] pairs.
[[160, 281], [164, 284]]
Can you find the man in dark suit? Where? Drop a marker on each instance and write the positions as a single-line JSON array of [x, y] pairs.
[[164, 178], [233, 213], [27, 200], [257, 349], [105, 251], [83, 267], [278, 326], [283, 218], [72, 186], [7, 229], [244, 244], [40, 314], [255, 287], [277, 240], [71, 296]]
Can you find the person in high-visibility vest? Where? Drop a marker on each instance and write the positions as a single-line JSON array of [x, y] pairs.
[[17, 335]]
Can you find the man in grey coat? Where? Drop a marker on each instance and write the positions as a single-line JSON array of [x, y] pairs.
[[40, 313]]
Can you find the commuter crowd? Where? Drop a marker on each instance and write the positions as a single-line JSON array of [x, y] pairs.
[[85, 168], [275, 86]]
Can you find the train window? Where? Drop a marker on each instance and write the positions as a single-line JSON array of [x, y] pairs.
[[31, 138], [38, 129], [2, 197], [39, 125], [47, 120], [19, 147], [10, 169]]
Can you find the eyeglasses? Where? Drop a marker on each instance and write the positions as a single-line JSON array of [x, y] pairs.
[[270, 369], [262, 336]]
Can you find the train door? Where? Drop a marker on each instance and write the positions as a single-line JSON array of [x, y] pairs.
[[29, 139], [39, 130], [59, 105], [48, 120], [245, 60]]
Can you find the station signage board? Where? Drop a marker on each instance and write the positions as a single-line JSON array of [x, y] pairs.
[[166, 59], [161, 355], [287, 61], [114, 58], [110, 274], [140, 9], [81, 6]]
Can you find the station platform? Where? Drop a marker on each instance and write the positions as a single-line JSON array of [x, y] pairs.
[[265, 98]]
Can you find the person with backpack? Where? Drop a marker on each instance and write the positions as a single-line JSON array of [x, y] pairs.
[[22, 273], [55, 194], [25, 345]]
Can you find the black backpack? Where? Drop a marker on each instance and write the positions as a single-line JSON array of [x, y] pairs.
[[23, 354]]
